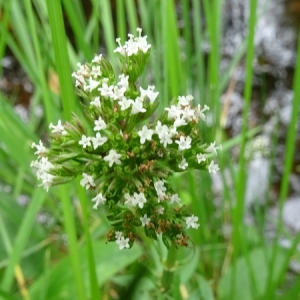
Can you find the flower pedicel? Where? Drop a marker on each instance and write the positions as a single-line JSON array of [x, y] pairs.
[[121, 159]]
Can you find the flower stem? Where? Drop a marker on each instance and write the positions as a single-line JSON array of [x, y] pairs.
[[170, 265]]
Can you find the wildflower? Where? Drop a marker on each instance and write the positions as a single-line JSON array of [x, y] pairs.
[[173, 112], [184, 143], [175, 199], [191, 222], [59, 128], [145, 134], [145, 220], [93, 84], [85, 141], [87, 181], [149, 93], [96, 71], [201, 157], [137, 106], [212, 148], [213, 168], [129, 200], [113, 158], [139, 200], [96, 102], [99, 124], [118, 235], [105, 90], [160, 210], [184, 100], [123, 81], [47, 180], [160, 189], [183, 164], [98, 140], [128, 159], [199, 113], [123, 243], [99, 199], [118, 93], [97, 58], [39, 147]]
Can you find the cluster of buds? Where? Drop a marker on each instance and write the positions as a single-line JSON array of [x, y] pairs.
[[123, 159]]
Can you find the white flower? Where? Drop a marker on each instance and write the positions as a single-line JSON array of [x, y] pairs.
[[213, 168], [123, 243], [125, 103], [145, 134], [179, 122], [160, 189], [96, 102], [113, 157], [80, 81], [139, 199], [99, 124], [39, 147], [137, 107], [97, 58], [212, 148], [191, 222], [145, 220], [173, 112], [87, 181], [93, 84], [184, 101], [164, 134], [129, 200], [188, 114], [118, 235], [160, 210], [99, 199], [85, 141], [123, 82], [142, 41], [43, 166], [149, 93], [175, 199], [199, 113], [47, 180], [118, 93], [184, 143], [120, 49], [59, 128], [183, 165], [105, 90], [98, 140], [201, 157], [96, 71]]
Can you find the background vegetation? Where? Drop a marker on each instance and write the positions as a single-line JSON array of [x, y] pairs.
[[52, 245]]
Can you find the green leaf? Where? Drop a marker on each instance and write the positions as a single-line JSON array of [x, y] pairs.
[[59, 280], [235, 284], [205, 289]]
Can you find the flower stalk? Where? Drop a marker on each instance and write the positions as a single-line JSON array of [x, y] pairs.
[[170, 266]]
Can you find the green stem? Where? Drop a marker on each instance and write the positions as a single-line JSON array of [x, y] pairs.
[[169, 268]]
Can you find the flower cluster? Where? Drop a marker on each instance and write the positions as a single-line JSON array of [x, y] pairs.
[[124, 160]]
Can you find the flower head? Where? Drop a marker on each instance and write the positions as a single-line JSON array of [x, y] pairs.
[[125, 151]]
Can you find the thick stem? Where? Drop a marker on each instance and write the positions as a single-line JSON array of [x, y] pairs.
[[170, 265]]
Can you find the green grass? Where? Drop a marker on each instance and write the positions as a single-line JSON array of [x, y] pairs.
[[36, 262]]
